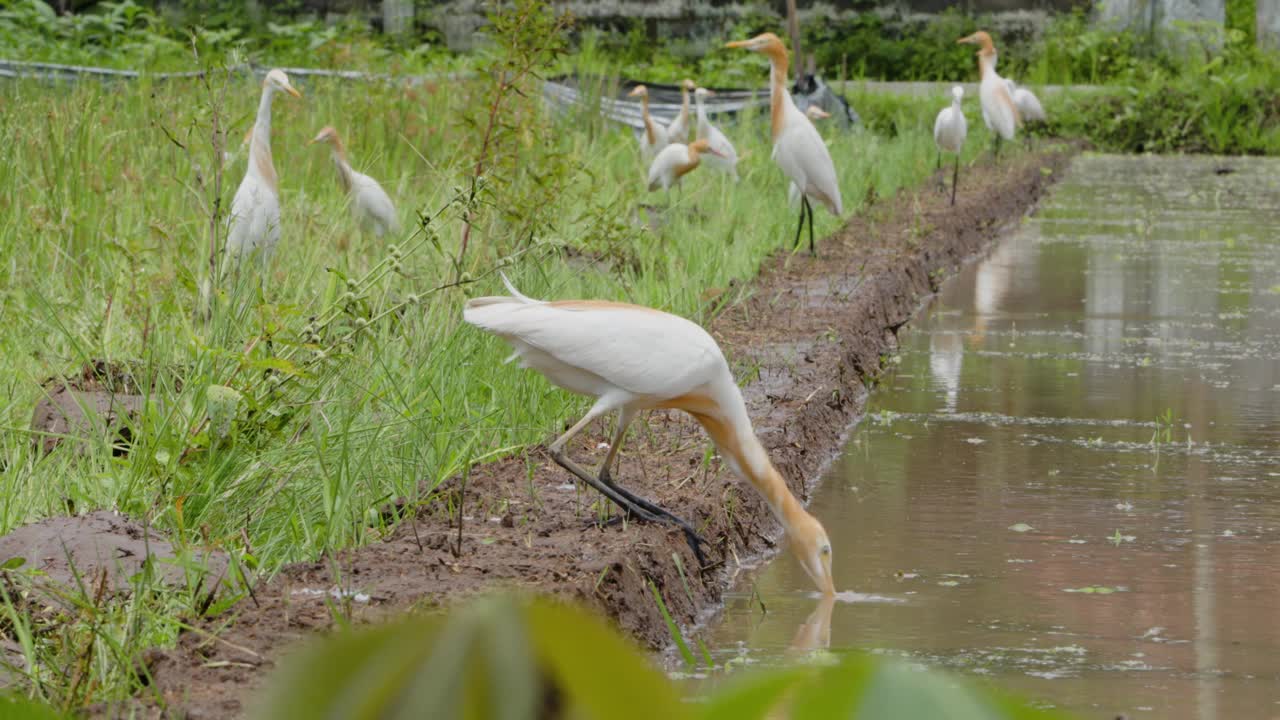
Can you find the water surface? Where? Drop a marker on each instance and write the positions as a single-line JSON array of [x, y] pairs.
[[1070, 483]]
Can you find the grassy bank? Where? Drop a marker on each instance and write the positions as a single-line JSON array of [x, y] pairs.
[[357, 383]]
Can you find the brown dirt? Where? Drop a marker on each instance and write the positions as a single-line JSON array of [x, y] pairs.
[[69, 550], [101, 401], [813, 330]]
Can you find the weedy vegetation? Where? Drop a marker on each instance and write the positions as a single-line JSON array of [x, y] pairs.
[[342, 378]]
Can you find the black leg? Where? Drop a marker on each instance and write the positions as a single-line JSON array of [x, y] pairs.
[[636, 507], [997, 152], [808, 206], [955, 180], [800, 227], [939, 165]]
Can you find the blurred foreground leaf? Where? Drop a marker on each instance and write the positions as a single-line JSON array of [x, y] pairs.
[[20, 708], [513, 659]]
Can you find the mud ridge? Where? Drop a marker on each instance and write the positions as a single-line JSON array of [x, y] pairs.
[[808, 334]]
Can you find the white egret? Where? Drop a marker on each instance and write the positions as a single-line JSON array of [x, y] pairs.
[[253, 225], [678, 129], [998, 110], [674, 162], [633, 358], [797, 147], [723, 156], [369, 202], [1029, 107], [949, 131], [654, 137]]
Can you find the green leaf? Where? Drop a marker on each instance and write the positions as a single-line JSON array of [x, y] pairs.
[[278, 364], [20, 708], [13, 563], [754, 696], [601, 675], [836, 692], [222, 405]]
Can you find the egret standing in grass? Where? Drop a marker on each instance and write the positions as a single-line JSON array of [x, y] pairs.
[[998, 110], [674, 162], [370, 204], [1029, 107], [678, 130], [253, 226], [797, 147], [948, 133], [723, 156], [633, 358], [655, 136]]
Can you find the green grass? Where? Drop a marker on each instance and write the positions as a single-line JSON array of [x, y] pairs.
[[104, 245]]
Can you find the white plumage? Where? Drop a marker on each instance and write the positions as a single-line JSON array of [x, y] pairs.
[[949, 130], [798, 148], [678, 130], [804, 158], [950, 127], [622, 354], [998, 111], [370, 204], [724, 157], [1028, 104], [633, 358], [253, 224], [674, 162]]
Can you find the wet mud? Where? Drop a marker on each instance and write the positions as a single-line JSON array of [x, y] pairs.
[[99, 547], [102, 401], [808, 334]]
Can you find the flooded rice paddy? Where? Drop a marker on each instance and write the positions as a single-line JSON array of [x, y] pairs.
[[1070, 482]]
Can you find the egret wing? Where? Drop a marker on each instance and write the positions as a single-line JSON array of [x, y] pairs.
[[642, 351], [804, 158]]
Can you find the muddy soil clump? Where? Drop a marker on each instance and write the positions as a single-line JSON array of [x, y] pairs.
[[809, 333], [102, 400]]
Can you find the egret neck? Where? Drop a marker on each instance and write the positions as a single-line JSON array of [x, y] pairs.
[[694, 159], [648, 121], [723, 414], [778, 93], [260, 144], [339, 154]]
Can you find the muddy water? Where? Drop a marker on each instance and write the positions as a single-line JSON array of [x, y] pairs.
[[1070, 484]]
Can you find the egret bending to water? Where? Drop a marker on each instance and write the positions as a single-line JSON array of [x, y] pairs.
[[949, 131], [674, 162], [797, 147], [998, 110], [633, 358], [369, 202], [655, 136], [254, 221], [678, 130], [723, 156]]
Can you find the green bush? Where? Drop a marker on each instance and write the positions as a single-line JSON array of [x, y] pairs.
[[1227, 105]]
